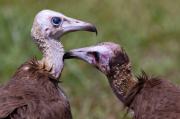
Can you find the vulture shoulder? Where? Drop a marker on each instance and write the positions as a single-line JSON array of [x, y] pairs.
[[155, 98], [32, 94]]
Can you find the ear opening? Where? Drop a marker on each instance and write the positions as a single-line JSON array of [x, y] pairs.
[[95, 54]]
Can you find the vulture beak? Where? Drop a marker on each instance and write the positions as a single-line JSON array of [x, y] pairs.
[[87, 54], [70, 25]]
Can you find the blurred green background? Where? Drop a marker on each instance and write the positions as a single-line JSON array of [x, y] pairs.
[[149, 30]]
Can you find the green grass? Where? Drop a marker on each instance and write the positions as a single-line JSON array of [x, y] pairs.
[[149, 30]]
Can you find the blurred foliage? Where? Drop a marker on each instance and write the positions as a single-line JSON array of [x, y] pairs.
[[149, 30]]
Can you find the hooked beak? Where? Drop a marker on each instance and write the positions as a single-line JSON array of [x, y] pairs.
[[80, 53], [70, 25]]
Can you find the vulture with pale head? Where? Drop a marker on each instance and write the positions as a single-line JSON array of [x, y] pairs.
[[33, 91], [148, 98]]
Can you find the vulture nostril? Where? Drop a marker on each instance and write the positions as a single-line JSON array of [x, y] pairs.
[[46, 29]]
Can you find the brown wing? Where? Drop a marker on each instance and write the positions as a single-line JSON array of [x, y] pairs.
[[157, 101], [9, 102]]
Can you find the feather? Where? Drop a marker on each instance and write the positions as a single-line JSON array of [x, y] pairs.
[[30, 91]]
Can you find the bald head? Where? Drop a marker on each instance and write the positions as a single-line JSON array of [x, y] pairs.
[[51, 24], [103, 55]]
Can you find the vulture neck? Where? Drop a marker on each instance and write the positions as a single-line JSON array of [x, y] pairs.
[[53, 52], [121, 80]]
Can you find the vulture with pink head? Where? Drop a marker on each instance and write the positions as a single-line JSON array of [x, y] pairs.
[[148, 98]]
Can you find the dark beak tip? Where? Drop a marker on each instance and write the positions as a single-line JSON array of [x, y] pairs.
[[96, 31], [92, 28], [67, 55]]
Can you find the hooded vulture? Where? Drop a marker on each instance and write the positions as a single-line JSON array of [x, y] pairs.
[[148, 98], [33, 91]]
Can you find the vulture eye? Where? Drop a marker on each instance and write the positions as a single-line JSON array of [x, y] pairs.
[[56, 21], [96, 55]]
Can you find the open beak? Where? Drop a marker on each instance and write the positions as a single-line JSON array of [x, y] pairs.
[[70, 25]]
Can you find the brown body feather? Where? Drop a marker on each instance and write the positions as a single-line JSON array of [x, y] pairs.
[[33, 94], [154, 98]]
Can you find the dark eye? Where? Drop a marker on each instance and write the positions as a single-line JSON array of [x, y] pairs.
[[96, 55], [56, 21]]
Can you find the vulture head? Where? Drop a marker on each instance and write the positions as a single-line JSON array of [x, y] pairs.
[[104, 56], [112, 60], [53, 25], [48, 27]]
